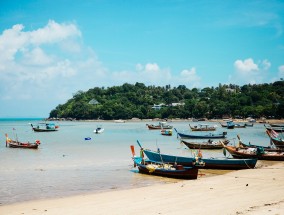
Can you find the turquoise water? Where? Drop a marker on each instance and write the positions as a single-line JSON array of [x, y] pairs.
[[67, 164]]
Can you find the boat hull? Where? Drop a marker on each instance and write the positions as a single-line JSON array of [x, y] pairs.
[[30, 146], [24, 145], [180, 172], [211, 163], [277, 129], [253, 153], [191, 136], [43, 130], [204, 145], [202, 128]]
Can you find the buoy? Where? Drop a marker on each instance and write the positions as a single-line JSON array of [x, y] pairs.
[[88, 138]]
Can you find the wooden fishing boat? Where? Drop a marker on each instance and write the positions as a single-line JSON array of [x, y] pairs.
[[257, 153], [202, 127], [45, 127], [165, 170], [230, 125], [275, 138], [276, 125], [277, 129], [161, 125], [203, 136], [205, 145], [17, 144], [240, 126], [223, 125], [271, 148], [248, 124], [209, 163], [166, 132]]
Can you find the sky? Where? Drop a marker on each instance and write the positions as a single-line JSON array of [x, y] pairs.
[[51, 49]]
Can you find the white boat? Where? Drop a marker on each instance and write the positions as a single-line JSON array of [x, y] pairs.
[[99, 130]]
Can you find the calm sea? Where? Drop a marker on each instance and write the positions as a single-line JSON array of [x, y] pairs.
[[66, 164]]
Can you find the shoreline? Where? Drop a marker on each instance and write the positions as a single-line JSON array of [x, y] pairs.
[[267, 121], [252, 191]]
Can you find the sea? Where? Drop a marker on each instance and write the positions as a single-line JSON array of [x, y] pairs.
[[67, 164]]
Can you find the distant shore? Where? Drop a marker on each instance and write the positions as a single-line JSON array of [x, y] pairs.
[[263, 121], [253, 191]]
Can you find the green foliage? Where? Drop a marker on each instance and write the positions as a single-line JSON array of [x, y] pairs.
[[128, 101]]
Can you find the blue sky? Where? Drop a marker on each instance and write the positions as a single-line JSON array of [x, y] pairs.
[[51, 49]]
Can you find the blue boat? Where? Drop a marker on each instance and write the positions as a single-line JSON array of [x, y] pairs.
[[45, 127], [203, 136], [210, 163], [165, 170]]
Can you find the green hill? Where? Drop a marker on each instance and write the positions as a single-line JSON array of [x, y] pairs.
[[140, 101]]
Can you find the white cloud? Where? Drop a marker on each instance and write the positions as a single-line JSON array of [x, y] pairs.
[[139, 67], [48, 64], [266, 64], [150, 74], [189, 77], [281, 71], [153, 74], [53, 33], [152, 67], [44, 67], [246, 66], [36, 56], [247, 71]]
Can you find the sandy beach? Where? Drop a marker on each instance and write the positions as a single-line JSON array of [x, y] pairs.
[[253, 191]]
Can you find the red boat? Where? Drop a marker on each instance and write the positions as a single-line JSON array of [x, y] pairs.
[[17, 144]]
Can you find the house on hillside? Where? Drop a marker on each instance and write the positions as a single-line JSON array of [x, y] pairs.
[[158, 107], [229, 90], [93, 102], [177, 104]]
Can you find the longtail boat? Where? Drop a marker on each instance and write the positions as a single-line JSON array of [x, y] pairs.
[[17, 144], [45, 127], [275, 138], [204, 145], [166, 132], [223, 125], [161, 125], [165, 170], [203, 136], [209, 163], [270, 148], [202, 127], [276, 125], [257, 153], [277, 129], [248, 124]]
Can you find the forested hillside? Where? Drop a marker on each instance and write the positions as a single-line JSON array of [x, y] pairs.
[[128, 101]]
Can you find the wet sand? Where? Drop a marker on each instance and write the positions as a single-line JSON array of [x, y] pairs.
[[252, 191]]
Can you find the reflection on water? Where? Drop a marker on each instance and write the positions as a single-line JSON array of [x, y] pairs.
[[67, 164]]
